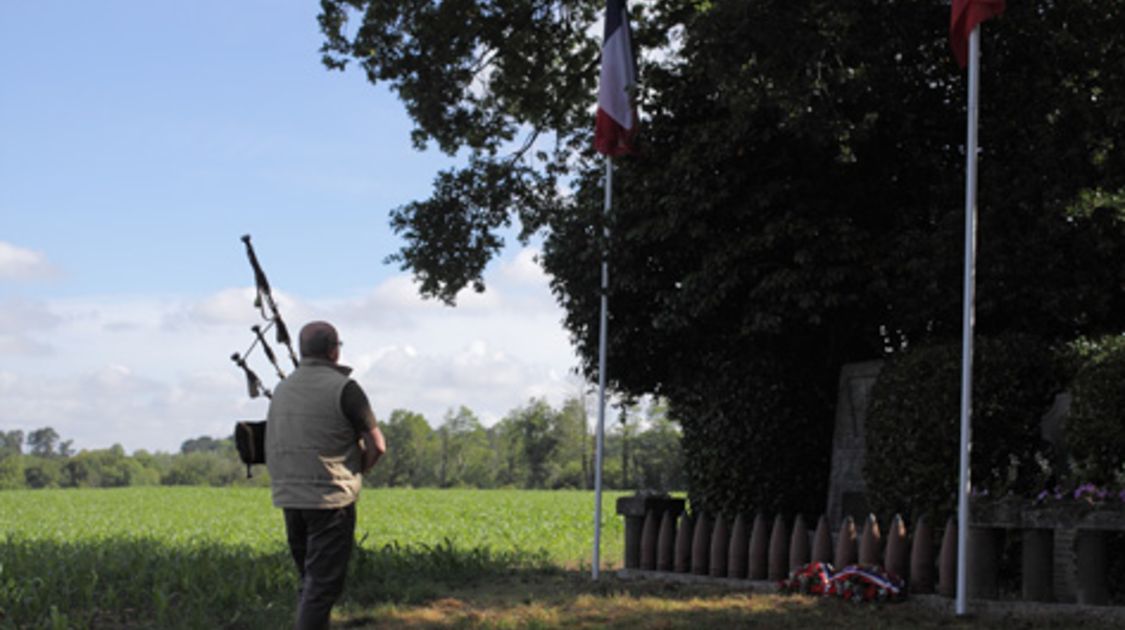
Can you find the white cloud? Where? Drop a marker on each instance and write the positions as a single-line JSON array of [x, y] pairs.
[[114, 405], [228, 307], [401, 293], [491, 353], [489, 381], [525, 268], [151, 372], [19, 318], [18, 314], [17, 263], [225, 307], [19, 344]]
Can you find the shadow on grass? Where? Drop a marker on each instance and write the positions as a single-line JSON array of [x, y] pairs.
[[556, 599], [141, 582], [151, 583], [406, 574], [563, 599], [146, 582]]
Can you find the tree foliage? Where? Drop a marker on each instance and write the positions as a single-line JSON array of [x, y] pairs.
[[41, 442], [202, 444], [534, 446], [485, 78], [466, 454], [11, 472], [913, 425], [412, 454], [11, 443], [656, 454], [797, 203], [1095, 431]]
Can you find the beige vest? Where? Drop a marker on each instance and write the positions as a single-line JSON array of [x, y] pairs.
[[312, 451]]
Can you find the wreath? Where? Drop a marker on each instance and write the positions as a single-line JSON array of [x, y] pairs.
[[855, 583]]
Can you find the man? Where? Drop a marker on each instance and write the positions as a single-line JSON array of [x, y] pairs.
[[321, 438]]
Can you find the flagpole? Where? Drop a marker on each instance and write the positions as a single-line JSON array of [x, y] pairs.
[[965, 487], [602, 325]]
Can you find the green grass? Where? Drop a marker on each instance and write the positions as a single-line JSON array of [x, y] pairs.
[[558, 523], [216, 557]]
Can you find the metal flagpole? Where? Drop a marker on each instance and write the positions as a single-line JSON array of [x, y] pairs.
[[965, 485], [602, 324]]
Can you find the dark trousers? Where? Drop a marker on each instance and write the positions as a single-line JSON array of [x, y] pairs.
[[321, 542]]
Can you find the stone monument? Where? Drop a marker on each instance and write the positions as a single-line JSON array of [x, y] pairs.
[[846, 490]]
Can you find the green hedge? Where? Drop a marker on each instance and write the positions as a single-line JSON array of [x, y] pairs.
[[758, 437], [1095, 430], [913, 425]]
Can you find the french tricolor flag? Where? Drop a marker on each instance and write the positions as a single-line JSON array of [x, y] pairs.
[[617, 117]]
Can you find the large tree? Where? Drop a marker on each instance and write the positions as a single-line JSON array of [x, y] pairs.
[[41, 442], [466, 457], [797, 202], [415, 458], [11, 442]]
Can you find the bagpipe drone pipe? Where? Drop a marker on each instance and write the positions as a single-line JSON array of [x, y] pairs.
[[250, 435]]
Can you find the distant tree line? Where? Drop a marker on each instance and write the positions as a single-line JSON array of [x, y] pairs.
[[534, 446], [41, 460]]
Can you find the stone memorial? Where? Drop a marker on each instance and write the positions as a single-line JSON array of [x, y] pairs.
[[846, 490]]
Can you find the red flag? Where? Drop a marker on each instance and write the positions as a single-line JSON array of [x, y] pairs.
[[617, 117], [964, 18]]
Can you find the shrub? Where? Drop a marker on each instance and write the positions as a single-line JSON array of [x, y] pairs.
[[570, 476], [913, 425], [758, 437], [11, 472], [41, 472], [1095, 430]]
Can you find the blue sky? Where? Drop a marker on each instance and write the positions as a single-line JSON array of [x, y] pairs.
[[138, 141], [154, 132]]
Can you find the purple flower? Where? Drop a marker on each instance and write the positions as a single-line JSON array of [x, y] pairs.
[[1042, 496], [1086, 488], [1121, 495]]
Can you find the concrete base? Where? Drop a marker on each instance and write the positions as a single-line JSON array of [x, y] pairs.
[[1093, 565], [1037, 548], [983, 563]]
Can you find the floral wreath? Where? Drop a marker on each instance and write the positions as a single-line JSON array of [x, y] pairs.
[[855, 583]]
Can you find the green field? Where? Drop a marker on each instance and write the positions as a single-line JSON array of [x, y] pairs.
[[216, 558], [212, 557]]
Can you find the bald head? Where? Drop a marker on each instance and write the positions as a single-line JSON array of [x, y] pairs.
[[319, 339]]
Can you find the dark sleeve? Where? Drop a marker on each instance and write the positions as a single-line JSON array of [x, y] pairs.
[[356, 408]]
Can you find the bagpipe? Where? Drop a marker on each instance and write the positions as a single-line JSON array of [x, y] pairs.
[[250, 436]]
